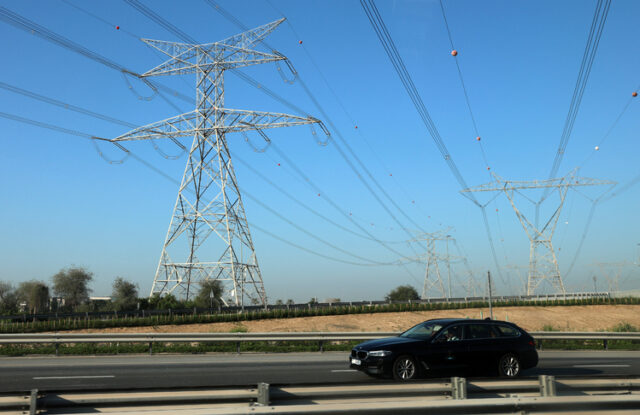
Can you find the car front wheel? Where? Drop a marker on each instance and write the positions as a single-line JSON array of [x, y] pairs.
[[509, 366], [405, 368]]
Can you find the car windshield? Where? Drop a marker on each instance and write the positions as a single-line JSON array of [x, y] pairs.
[[422, 331]]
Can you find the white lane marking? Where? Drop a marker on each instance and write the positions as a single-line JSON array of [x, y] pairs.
[[72, 377], [343, 370], [601, 365]]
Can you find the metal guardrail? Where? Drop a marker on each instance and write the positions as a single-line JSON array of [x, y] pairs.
[[238, 338], [455, 396]]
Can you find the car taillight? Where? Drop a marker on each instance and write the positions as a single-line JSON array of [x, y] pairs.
[[532, 343]]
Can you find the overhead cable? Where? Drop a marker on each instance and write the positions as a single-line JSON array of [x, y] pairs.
[[595, 33]]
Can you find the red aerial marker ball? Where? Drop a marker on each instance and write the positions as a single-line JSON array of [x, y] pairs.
[[300, 42], [356, 127], [117, 27], [488, 168], [635, 94], [390, 174], [454, 53], [318, 194], [278, 164], [478, 138]]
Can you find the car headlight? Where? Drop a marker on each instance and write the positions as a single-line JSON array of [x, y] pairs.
[[379, 353]]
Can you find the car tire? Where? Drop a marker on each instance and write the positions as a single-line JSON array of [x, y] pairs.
[[405, 368], [509, 366]]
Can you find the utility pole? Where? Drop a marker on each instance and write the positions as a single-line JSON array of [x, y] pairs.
[[595, 288], [208, 237], [490, 294]]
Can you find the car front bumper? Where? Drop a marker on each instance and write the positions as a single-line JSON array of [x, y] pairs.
[[372, 365]]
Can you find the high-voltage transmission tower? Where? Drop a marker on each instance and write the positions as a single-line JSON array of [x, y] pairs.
[[432, 278], [208, 237], [543, 264]]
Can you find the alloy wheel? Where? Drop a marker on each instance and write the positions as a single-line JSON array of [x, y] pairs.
[[406, 369], [510, 366]]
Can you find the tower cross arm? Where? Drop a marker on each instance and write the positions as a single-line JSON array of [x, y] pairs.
[[182, 125], [231, 120], [186, 59], [241, 120]]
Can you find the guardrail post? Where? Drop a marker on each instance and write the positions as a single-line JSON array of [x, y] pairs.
[[547, 385], [150, 348], [458, 388], [57, 349], [605, 344], [263, 394], [238, 347], [33, 402], [321, 346]]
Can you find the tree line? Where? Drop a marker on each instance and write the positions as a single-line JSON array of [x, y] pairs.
[[69, 292]]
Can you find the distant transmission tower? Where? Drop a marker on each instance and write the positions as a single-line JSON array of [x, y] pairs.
[[209, 238], [432, 277], [543, 264]]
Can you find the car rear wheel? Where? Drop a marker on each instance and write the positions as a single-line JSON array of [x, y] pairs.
[[405, 368], [509, 366]]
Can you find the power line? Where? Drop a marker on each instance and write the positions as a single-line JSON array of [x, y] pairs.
[[29, 26], [133, 155], [454, 53], [595, 33], [396, 60]]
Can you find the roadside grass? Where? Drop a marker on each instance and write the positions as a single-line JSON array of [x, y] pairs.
[[179, 319], [175, 348], [622, 327]]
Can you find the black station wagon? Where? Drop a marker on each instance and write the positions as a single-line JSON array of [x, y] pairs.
[[448, 345]]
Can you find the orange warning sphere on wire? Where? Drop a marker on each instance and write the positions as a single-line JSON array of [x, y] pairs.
[[390, 174], [117, 27], [478, 138], [300, 42], [488, 168], [278, 164], [454, 53], [356, 127], [635, 94]]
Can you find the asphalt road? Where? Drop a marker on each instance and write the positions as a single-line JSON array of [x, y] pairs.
[[180, 371]]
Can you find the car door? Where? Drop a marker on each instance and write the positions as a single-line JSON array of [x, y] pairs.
[[484, 344], [448, 350]]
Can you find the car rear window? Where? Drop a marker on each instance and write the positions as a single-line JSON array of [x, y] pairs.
[[507, 331]]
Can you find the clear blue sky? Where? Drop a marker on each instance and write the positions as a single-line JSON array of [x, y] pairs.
[[62, 205]]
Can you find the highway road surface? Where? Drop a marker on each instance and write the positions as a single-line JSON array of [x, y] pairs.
[[170, 371]]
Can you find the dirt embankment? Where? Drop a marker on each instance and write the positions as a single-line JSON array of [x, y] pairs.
[[565, 318]]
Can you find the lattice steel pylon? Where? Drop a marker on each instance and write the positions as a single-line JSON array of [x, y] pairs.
[[209, 220], [432, 278], [543, 263]]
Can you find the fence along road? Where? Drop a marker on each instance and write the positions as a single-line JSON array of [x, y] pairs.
[[320, 337]]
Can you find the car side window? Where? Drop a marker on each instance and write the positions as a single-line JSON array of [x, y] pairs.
[[480, 331], [506, 331], [450, 334]]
